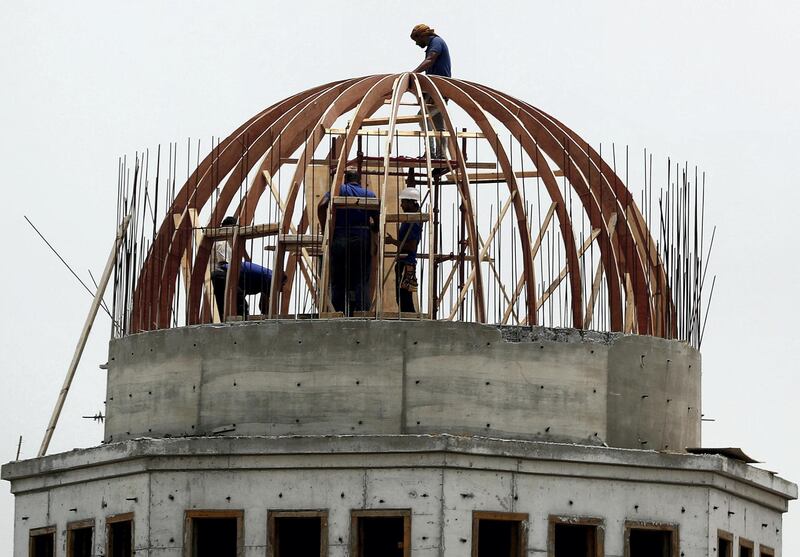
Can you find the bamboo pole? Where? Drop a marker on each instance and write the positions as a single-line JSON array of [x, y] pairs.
[[87, 327]]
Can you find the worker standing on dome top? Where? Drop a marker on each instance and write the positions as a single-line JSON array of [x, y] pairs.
[[436, 62], [351, 247], [408, 237], [437, 55]]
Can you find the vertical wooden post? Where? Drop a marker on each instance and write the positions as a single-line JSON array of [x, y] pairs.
[[87, 327]]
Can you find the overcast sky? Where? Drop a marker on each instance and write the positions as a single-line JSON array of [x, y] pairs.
[[712, 83]]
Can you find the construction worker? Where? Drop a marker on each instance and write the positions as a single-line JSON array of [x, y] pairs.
[[408, 237], [436, 62], [253, 278], [351, 247]]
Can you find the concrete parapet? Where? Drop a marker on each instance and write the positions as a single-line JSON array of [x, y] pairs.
[[399, 377]]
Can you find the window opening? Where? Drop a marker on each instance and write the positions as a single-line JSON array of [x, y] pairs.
[[498, 534], [298, 533], [746, 548], [765, 551], [42, 542], [120, 536], [575, 537], [381, 533], [80, 537], [651, 540], [724, 544], [214, 533]]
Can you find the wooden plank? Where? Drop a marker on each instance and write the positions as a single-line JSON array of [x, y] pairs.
[[408, 133], [408, 217], [300, 239], [290, 160], [331, 314], [495, 177], [245, 232], [87, 328], [351, 202], [412, 119], [406, 162]]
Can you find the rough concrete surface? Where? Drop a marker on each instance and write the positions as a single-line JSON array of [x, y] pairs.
[[441, 478], [391, 377]]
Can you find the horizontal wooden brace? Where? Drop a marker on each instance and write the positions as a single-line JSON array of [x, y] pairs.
[[246, 232], [495, 177], [407, 217], [407, 133], [352, 202], [413, 119]]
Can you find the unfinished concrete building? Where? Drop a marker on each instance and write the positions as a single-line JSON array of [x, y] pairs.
[[543, 398]]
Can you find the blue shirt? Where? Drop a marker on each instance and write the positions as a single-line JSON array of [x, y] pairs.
[[352, 222], [414, 231], [441, 66]]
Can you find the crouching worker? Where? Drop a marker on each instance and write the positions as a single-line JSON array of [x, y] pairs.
[[253, 278], [408, 237]]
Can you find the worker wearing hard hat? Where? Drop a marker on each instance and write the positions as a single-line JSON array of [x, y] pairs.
[[436, 62], [408, 237]]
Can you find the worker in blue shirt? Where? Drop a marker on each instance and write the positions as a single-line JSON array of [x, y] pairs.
[[436, 62], [408, 238], [351, 248]]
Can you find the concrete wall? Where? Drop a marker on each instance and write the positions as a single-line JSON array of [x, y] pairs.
[[391, 377], [442, 479]]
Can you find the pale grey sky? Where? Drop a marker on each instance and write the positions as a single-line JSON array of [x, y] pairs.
[[712, 83]]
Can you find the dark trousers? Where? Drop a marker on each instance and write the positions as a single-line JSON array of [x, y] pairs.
[[405, 298], [253, 279], [351, 264]]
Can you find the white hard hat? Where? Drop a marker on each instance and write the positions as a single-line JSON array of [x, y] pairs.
[[410, 193]]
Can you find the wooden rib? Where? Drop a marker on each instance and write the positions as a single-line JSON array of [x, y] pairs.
[[598, 276], [163, 260], [511, 116], [610, 195], [400, 86], [433, 303], [268, 139]]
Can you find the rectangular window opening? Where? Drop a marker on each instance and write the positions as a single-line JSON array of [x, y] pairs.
[[746, 548], [80, 538], [765, 551], [42, 542], [120, 536], [724, 544], [575, 537], [214, 533], [651, 540], [298, 533], [381, 533], [496, 534]]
